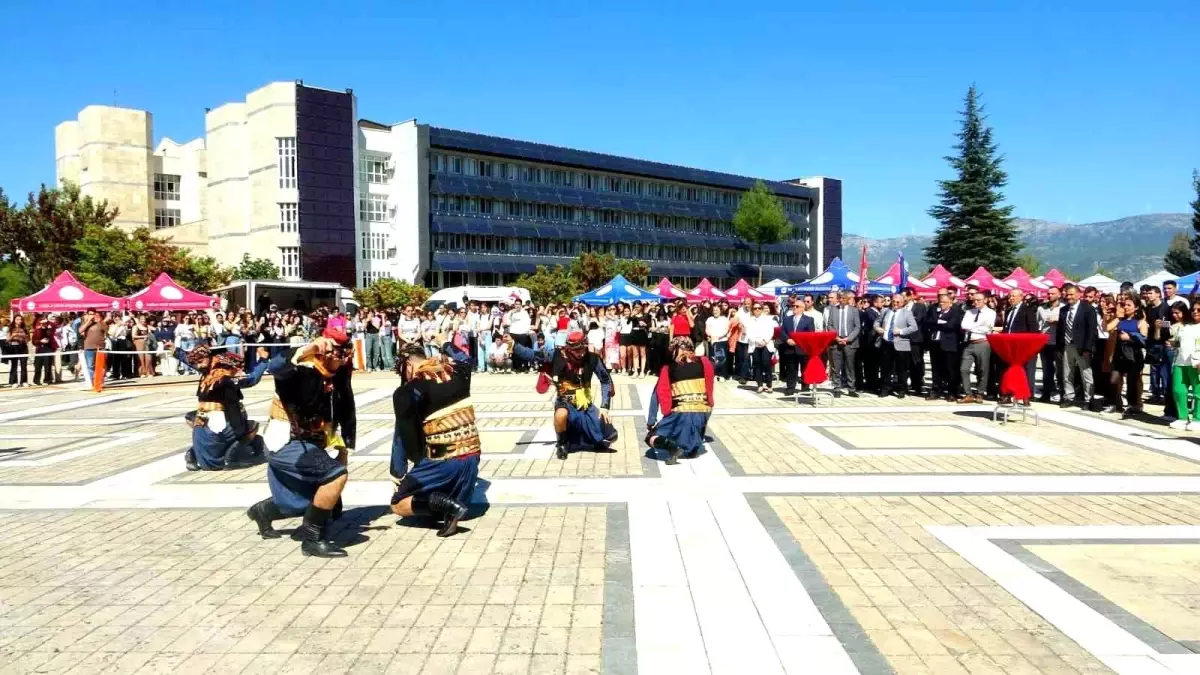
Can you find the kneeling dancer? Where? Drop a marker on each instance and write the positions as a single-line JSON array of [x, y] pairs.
[[435, 430], [570, 368], [223, 437], [685, 394], [313, 402]]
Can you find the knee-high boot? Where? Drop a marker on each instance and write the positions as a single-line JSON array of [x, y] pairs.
[[440, 506], [312, 535], [262, 514]]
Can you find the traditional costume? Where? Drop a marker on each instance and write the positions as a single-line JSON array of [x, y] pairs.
[[223, 437], [685, 394], [435, 430], [312, 405], [570, 369]]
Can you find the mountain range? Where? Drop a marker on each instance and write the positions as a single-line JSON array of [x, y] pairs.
[[1126, 249]]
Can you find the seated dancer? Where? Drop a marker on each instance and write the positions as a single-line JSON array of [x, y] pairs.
[[570, 368], [435, 430], [313, 401], [685, 394], [223, 437]]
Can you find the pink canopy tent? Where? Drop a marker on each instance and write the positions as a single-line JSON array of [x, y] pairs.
[[65, 294], [892, 278], [984, 281], [742, 290], [164, 295], [667, 290], [940, 277], [1021, 279], [1054, 278], [705, 291]]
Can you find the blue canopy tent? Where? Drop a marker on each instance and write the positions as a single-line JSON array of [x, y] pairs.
[[617, 291], [1186, 283], [836, 277]]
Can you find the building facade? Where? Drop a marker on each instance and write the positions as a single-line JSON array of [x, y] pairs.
[[289, 174]]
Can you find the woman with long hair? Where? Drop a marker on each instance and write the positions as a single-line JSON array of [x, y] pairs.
[[1127, 331], [626, 330], [639, 337]]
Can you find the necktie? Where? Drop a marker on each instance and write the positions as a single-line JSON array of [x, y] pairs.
[[1012, 318], [891, 322], [842, 323], [1070, 327]]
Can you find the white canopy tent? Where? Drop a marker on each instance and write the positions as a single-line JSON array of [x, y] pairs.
[[1102, 283], [770, 286], [1157, 279]]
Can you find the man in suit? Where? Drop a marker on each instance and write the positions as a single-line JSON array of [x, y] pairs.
[[943, 325], [844, 320], [1077, 335], [870, 343], [895, 328], [1021, 317], [916, 369], [790, 355]]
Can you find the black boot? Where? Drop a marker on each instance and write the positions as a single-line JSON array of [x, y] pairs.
[[262, 514], [189, 460], [673, 450], [560, 448], [451, 510], [312, 535]]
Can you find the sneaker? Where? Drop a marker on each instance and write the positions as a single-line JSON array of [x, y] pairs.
[[1181, 425]]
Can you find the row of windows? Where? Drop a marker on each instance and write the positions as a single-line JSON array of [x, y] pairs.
[[513, 171], [372, 168], [372, 208], [166, 186], [289, 262], [369, 278], [286, 149], [374, 246], [164, 218], [450, 204], [479, 243], [289, 217]]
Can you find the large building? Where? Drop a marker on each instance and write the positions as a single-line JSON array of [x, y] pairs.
[[290, 174]]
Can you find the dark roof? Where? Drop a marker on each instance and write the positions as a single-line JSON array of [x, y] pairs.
[[373, 125]]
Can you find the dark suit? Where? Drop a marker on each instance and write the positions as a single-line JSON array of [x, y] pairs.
[[1023, 319], [944, 328], [870, 353], [790, 356], [1077, 351], [916, 369]]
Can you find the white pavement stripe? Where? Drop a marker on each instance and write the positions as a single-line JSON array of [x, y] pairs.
[[119, 440], [965, 484], [1179, 447], [734, 636], [367, 443], [69, 405], [367, 398], [665, 625]]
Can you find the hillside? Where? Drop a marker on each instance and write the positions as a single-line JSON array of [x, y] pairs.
[[1129, 248]]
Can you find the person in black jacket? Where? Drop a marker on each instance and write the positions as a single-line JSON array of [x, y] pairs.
[[943, 325], [871, 353], [1077, 335], [1021, 317], [916, 369]]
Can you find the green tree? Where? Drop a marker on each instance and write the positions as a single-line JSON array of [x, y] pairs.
[[255, 268], [115, 262], [556, 285], [1029, 262], [760, 220], [1179, 260], [391, 294], [40, 238], [592, 270], [1195, 240], [974, 230], [12, 284]]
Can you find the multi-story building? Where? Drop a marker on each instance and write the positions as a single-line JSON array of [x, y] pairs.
[[288, 174]]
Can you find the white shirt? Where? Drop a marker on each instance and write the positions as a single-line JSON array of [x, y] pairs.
[[978, 323], [518, 322], [596, 339], [717, 328], [410, 329], [1177, 300], [818, 319], [761, 329], [745, 319]]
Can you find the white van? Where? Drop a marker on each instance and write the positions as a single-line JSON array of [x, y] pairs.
[[453, 297]]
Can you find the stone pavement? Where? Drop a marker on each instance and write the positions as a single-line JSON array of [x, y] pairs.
[[868, 536]]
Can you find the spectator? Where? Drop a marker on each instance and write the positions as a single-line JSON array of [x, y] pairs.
[[1170, 289], [843, 319], [140, 335], [1185, 378], [895, 328], [791, 356], [977, 323], [1159, 353], [944, 326], [68, 344], [868, 317], [1128, 330], [1021, 317], [762, 339], [1048, 324], [716, 332], [1077, 336], [916, 367], [519, 325], [500, 360], [18, 353]]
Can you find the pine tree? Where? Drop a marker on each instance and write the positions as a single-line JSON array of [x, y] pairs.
[[974, 230], [1196, 220], [1178, 260]]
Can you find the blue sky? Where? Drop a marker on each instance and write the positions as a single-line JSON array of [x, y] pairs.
[[1095, 104]]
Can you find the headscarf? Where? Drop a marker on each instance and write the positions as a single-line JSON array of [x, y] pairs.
[[683, 349], [575, 348], [197, 355], [222, 365], [437, 368]]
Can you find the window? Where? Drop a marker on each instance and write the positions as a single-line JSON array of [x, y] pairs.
[[438, 163], [372, 208], [289, 262], [164, 218], [166, 186], [374, 246], [456, 164], [289, 217], [369, 278], [372, 168], [287, 162]]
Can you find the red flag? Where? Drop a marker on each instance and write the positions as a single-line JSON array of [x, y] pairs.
[[862, 274]]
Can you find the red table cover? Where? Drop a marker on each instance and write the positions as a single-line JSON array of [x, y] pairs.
[[814, 345], [1015, 349]]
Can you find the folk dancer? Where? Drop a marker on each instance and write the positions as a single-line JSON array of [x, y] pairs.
[[223, 437], [435, 430], [570, 369], [313, 403], [685, 394]]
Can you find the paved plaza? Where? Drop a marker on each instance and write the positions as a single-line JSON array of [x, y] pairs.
[[864, 536]]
